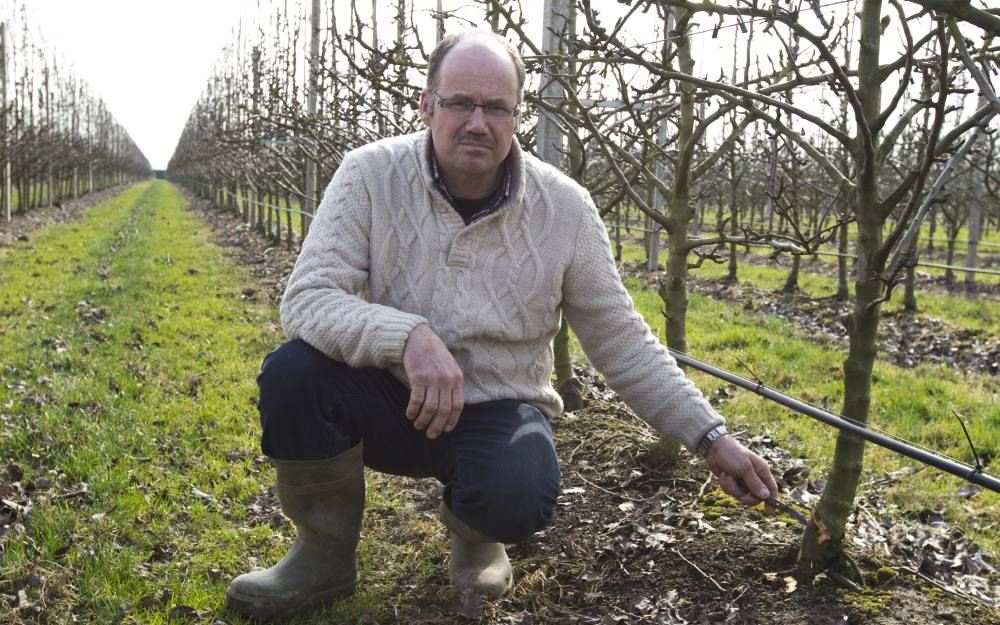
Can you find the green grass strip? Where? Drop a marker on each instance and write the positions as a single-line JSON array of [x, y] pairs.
[[129, 361], [976, 313]]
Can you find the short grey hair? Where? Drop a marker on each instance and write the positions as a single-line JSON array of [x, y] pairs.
[[444, 47]]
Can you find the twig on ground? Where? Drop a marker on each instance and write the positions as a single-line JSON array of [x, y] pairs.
[[840, 579], [645, 473], [610, 492], [944, 587], [703, 573], [704, 485]]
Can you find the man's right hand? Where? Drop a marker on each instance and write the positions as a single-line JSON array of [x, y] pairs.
[[437, 394]]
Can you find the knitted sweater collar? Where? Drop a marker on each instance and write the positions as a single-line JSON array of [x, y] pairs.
[[515, 164]]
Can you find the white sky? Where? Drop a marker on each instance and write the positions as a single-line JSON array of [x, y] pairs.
[[147, 59]]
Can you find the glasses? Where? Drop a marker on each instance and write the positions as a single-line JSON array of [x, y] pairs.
[[463, 107]]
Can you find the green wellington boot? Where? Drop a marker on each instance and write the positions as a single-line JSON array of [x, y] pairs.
[[478, 563], [325, 500]]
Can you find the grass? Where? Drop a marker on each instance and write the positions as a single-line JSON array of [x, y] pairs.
[[129, 365], [975, 313]]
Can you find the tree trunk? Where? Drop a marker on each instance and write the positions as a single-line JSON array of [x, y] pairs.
[[823, 541], [975, 230], [931, 231], [792, 281], [910, 290], [618, 233], [673, 290], [567, 384], [842, 247], [949, 273]]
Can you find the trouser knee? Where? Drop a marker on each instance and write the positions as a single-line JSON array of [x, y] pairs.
[[513, 494], [511, 517], [294, 415]]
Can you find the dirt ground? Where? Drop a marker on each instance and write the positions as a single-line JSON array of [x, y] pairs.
[[661, 544]]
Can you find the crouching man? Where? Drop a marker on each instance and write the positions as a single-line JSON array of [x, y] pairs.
[[420, 314]]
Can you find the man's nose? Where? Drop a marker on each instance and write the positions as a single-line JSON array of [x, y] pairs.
[[477, 121]]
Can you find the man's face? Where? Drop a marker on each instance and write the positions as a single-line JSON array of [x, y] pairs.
[[471, 146]]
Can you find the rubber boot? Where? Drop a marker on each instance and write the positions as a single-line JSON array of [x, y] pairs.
[[479, 564], [325, 500]]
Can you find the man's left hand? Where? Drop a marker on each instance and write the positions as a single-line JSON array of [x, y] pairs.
[[742, 473]]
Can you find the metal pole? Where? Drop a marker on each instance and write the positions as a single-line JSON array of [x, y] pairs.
[[943, 463]]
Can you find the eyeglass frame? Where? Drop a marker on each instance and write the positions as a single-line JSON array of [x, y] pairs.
[[442, 102]]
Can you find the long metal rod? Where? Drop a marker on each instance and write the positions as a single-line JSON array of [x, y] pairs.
[[948, 465]]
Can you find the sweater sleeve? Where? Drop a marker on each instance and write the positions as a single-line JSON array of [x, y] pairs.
[[620, 344], [323, 303]]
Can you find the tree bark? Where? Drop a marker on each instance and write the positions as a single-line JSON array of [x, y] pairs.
[[842, 248], [792, 281], [822, 543]]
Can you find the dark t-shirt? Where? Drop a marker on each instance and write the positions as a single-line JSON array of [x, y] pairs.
[[470, 209]]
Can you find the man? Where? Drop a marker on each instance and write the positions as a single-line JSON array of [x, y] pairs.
[[420, 315]]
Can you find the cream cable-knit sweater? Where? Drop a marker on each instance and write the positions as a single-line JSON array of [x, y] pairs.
[[387, 252]]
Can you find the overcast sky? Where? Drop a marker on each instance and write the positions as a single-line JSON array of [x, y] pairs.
[[147, 59]]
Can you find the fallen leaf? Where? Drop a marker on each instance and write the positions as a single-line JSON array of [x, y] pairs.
[[201, 494], [790, 584], [15, 472], [182, 612]]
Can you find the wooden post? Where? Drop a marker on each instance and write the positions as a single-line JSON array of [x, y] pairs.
[[309, 205], [400, 67], [975, 218], [653, 255], [439, 17], [48, 129], [550, 140], [3, 119], [549, 137], [252, 192]]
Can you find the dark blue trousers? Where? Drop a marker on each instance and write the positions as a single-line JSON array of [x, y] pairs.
[[498, 465]]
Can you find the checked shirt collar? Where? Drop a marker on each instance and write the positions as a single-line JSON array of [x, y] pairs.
[[500, 194]]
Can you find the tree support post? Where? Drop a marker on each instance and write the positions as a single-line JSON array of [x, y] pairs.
[[309, 203]]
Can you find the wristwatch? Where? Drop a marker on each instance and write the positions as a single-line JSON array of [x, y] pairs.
[[709, 438]]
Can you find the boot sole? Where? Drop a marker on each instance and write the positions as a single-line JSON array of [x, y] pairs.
[[262, 609]]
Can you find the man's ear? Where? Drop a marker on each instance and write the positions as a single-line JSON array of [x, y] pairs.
[[426, 106]]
